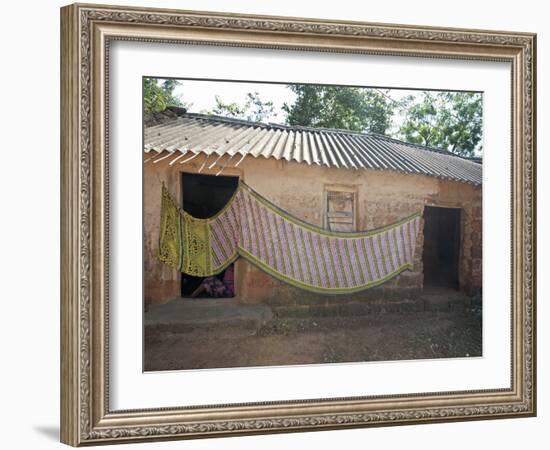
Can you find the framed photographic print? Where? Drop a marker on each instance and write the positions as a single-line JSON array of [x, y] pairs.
[[276, 224]]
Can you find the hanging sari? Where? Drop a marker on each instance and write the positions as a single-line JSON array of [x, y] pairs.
[[287, 248]]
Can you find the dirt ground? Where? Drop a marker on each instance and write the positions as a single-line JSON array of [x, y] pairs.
[[293, 341]]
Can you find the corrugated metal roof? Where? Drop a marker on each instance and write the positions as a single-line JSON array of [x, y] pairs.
[[198, 133]]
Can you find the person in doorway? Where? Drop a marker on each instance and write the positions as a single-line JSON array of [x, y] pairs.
[[216, 287]]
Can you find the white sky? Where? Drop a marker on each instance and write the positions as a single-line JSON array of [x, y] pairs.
[[201, 94]]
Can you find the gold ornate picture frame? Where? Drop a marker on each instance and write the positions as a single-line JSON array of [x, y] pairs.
[[87, 31]]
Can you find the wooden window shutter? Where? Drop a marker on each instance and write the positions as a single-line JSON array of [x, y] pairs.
[[340, 213]]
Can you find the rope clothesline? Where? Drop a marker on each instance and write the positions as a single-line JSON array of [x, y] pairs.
[[289, 249]]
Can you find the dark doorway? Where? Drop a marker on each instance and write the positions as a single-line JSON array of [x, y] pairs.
[[202, 197], [441, 246]]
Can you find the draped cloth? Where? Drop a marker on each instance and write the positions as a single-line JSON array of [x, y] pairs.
[[285, 247]]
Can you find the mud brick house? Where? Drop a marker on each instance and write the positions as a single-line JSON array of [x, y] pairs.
[[335, 179]]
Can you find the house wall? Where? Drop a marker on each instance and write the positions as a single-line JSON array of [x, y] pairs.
[[383, 197]]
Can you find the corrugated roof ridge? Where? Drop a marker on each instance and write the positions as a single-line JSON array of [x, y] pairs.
[[271, 125], [280, 126], [420, 146]]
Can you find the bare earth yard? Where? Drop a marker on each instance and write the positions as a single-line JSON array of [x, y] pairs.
[[288, 341]]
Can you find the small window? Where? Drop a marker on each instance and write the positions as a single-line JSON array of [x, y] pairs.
[[340, 212]]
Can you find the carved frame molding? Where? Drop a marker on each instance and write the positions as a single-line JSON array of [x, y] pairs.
[[86, 31]]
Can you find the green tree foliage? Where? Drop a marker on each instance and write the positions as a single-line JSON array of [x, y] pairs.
[[159, 94], [227, 109], [254, 108], [349, 108], [446, 120]]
